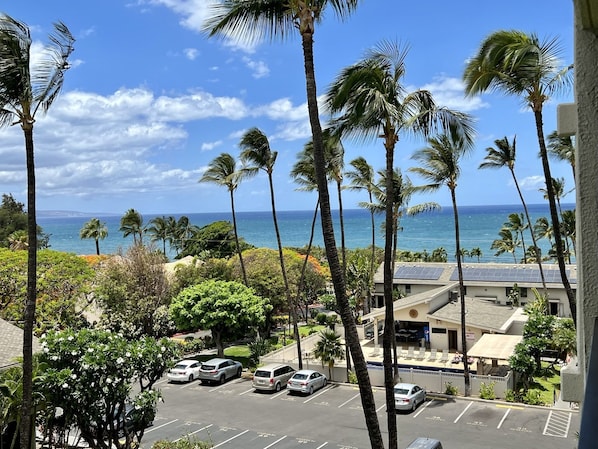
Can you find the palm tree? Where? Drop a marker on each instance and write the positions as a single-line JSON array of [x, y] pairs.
[[362, 178], [517, 224], [476, 252], [543, 229], [504, 156], [257, 155], [96, 230], [223, 171], [440, 165], [562, 148], [17, 241], [370, 101], [252, 20], [131, 223], [329, 349], [507, 243], [522, 65], [558, 185], [25, 89], [568, 229], [158, 231]]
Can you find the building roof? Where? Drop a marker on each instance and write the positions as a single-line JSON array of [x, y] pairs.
[[11, 344], [480, 313], [495, 274], [495, 346]]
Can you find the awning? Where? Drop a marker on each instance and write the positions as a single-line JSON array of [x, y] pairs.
[[495, 346]]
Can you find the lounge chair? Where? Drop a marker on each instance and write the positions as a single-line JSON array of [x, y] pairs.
[[433, 354], [445, 356], [421, 354], [410, 352]]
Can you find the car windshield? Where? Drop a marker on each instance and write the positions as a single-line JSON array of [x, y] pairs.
[[300, 376], [401, 391], [262, 374], [180, 366]]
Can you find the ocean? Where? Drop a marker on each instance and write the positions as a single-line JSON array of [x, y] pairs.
[[479, 227]]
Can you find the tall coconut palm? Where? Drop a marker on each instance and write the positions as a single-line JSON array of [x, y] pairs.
[[28, 86], [507, 243], [257, 155], [504, 155], [370, 101], [96, 230], [440, 166], [520, 64], [223, 171], [562, 148], [362, 178], [558, 185], [518, 225], [252, 20], [158, 231], [131, 223]]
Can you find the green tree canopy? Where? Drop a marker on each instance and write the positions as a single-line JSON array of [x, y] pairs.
[[133, 293], [215, 240], [227, 308], [63, 280]]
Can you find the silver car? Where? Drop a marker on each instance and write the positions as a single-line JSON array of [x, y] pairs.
[[408, 396], [306, 381], [184, 371], [272, 377], [219, 370]]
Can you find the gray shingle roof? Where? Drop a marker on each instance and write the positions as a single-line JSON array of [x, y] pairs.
[[11, 344]]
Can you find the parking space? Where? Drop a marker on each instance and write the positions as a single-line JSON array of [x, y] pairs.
[[235, 415]]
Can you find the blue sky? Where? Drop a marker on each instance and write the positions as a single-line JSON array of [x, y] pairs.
[[150, 101]]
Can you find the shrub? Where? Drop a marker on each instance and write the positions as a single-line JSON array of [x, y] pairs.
[[510, 396], [487, 390], [258, 348], [450, 389], [352, 377], [184, 443], [321, 318], [193, 345], [533, 397]]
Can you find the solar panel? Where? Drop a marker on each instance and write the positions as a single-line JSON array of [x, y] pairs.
[[418, 272], [531, 275]]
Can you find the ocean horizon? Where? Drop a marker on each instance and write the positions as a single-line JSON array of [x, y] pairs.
[[479, 227]]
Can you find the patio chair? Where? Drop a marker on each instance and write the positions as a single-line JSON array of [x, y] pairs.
[[421, 354], [445, 356], [410, 352], [433, 354]]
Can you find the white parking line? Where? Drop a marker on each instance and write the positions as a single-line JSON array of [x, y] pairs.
[[160, 426], [503, 418], [322, 445], [272, 444], [219, 387], [349, 400], [194, 432], [421, 409], [313, 396], [231, 438], [280, 393], [193, 382], [463, 412], [246, 391]]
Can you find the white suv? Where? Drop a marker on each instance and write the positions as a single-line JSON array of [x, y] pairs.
[[272, 377]]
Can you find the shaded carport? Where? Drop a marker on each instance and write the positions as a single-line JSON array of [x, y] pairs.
[[496, 347]]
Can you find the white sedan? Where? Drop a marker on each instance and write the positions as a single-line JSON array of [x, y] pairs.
[[408, 396], [184, 371], [306, 381]]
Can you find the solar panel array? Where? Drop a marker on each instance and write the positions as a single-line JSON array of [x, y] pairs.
[[531, 275], [422, 273]]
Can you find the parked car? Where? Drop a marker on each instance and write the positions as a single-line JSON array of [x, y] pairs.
[[219, 370], [408, 396], [425, 443], [272, 377], [306, 381], [184, 371]]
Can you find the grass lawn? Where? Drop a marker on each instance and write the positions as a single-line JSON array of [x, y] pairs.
[[308, 329], [549, 383], [237, 351]]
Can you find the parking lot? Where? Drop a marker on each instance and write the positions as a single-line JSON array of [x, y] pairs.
[[233, 415]]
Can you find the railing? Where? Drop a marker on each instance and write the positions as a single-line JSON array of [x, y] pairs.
[[588, 432]]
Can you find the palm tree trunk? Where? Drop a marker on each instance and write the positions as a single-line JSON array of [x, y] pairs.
[[232, 206], [30, 302], [290, 302], [389, 334], [554, 216], [462, 294], [97, 247], [338, 278], [373, 261], [304, 266], [342, 225], [531, 230]]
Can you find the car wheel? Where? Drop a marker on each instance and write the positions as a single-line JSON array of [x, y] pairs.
[[222, 379], [190, 378], [414, 406], [239, 371], [325, 383], [311, 390], [277, 387]]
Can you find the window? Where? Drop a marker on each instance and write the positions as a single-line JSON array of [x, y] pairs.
[[554, 308], [407, 289]]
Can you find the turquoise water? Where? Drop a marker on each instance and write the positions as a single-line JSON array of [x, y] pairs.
[[479, 226]]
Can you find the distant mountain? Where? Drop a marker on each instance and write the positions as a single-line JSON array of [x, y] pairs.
[[70, 213]]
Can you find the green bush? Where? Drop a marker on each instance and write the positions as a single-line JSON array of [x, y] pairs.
[[193, 345], [352, 377], [321, 318], [183, 443], [258, 348], [533, 397], [510, 396], [450, 389], [487, 391]]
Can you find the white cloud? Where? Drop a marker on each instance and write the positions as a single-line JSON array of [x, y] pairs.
[[450, 92], [259, 68], [532, 183], [209, 146], [191, 53]]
